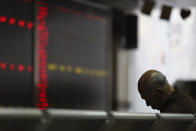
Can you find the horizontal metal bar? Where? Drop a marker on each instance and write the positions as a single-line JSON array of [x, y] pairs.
[[134, 116], [83, 114], [174, 116], [20, 113]]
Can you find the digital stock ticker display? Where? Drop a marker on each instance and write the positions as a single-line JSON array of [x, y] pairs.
[[56, 51], [16, 53]]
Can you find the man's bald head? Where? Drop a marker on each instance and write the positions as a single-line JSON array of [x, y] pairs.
[[154, 88], [151, 79]]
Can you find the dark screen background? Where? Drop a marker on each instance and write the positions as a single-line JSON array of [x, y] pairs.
[[15, 48], [77, 51]]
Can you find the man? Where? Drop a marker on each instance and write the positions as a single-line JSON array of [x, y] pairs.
[[158, 93]]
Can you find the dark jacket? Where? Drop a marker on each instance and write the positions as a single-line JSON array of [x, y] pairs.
[[179, 102]]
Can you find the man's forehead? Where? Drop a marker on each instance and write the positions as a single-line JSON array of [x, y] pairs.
[[143, 91], [143, 95], [142, 84], [144, 80]]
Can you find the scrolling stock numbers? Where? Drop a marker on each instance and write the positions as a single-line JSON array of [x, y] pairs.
[[43, 35]]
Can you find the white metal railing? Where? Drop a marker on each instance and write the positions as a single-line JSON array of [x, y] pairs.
[[83, 120]]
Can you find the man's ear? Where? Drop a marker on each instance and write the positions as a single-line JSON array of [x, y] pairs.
[[159, 90]]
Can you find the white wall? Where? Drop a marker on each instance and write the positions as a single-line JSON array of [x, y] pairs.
[[167, 46]]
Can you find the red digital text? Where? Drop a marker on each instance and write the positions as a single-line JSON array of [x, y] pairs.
[[42, 56]]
